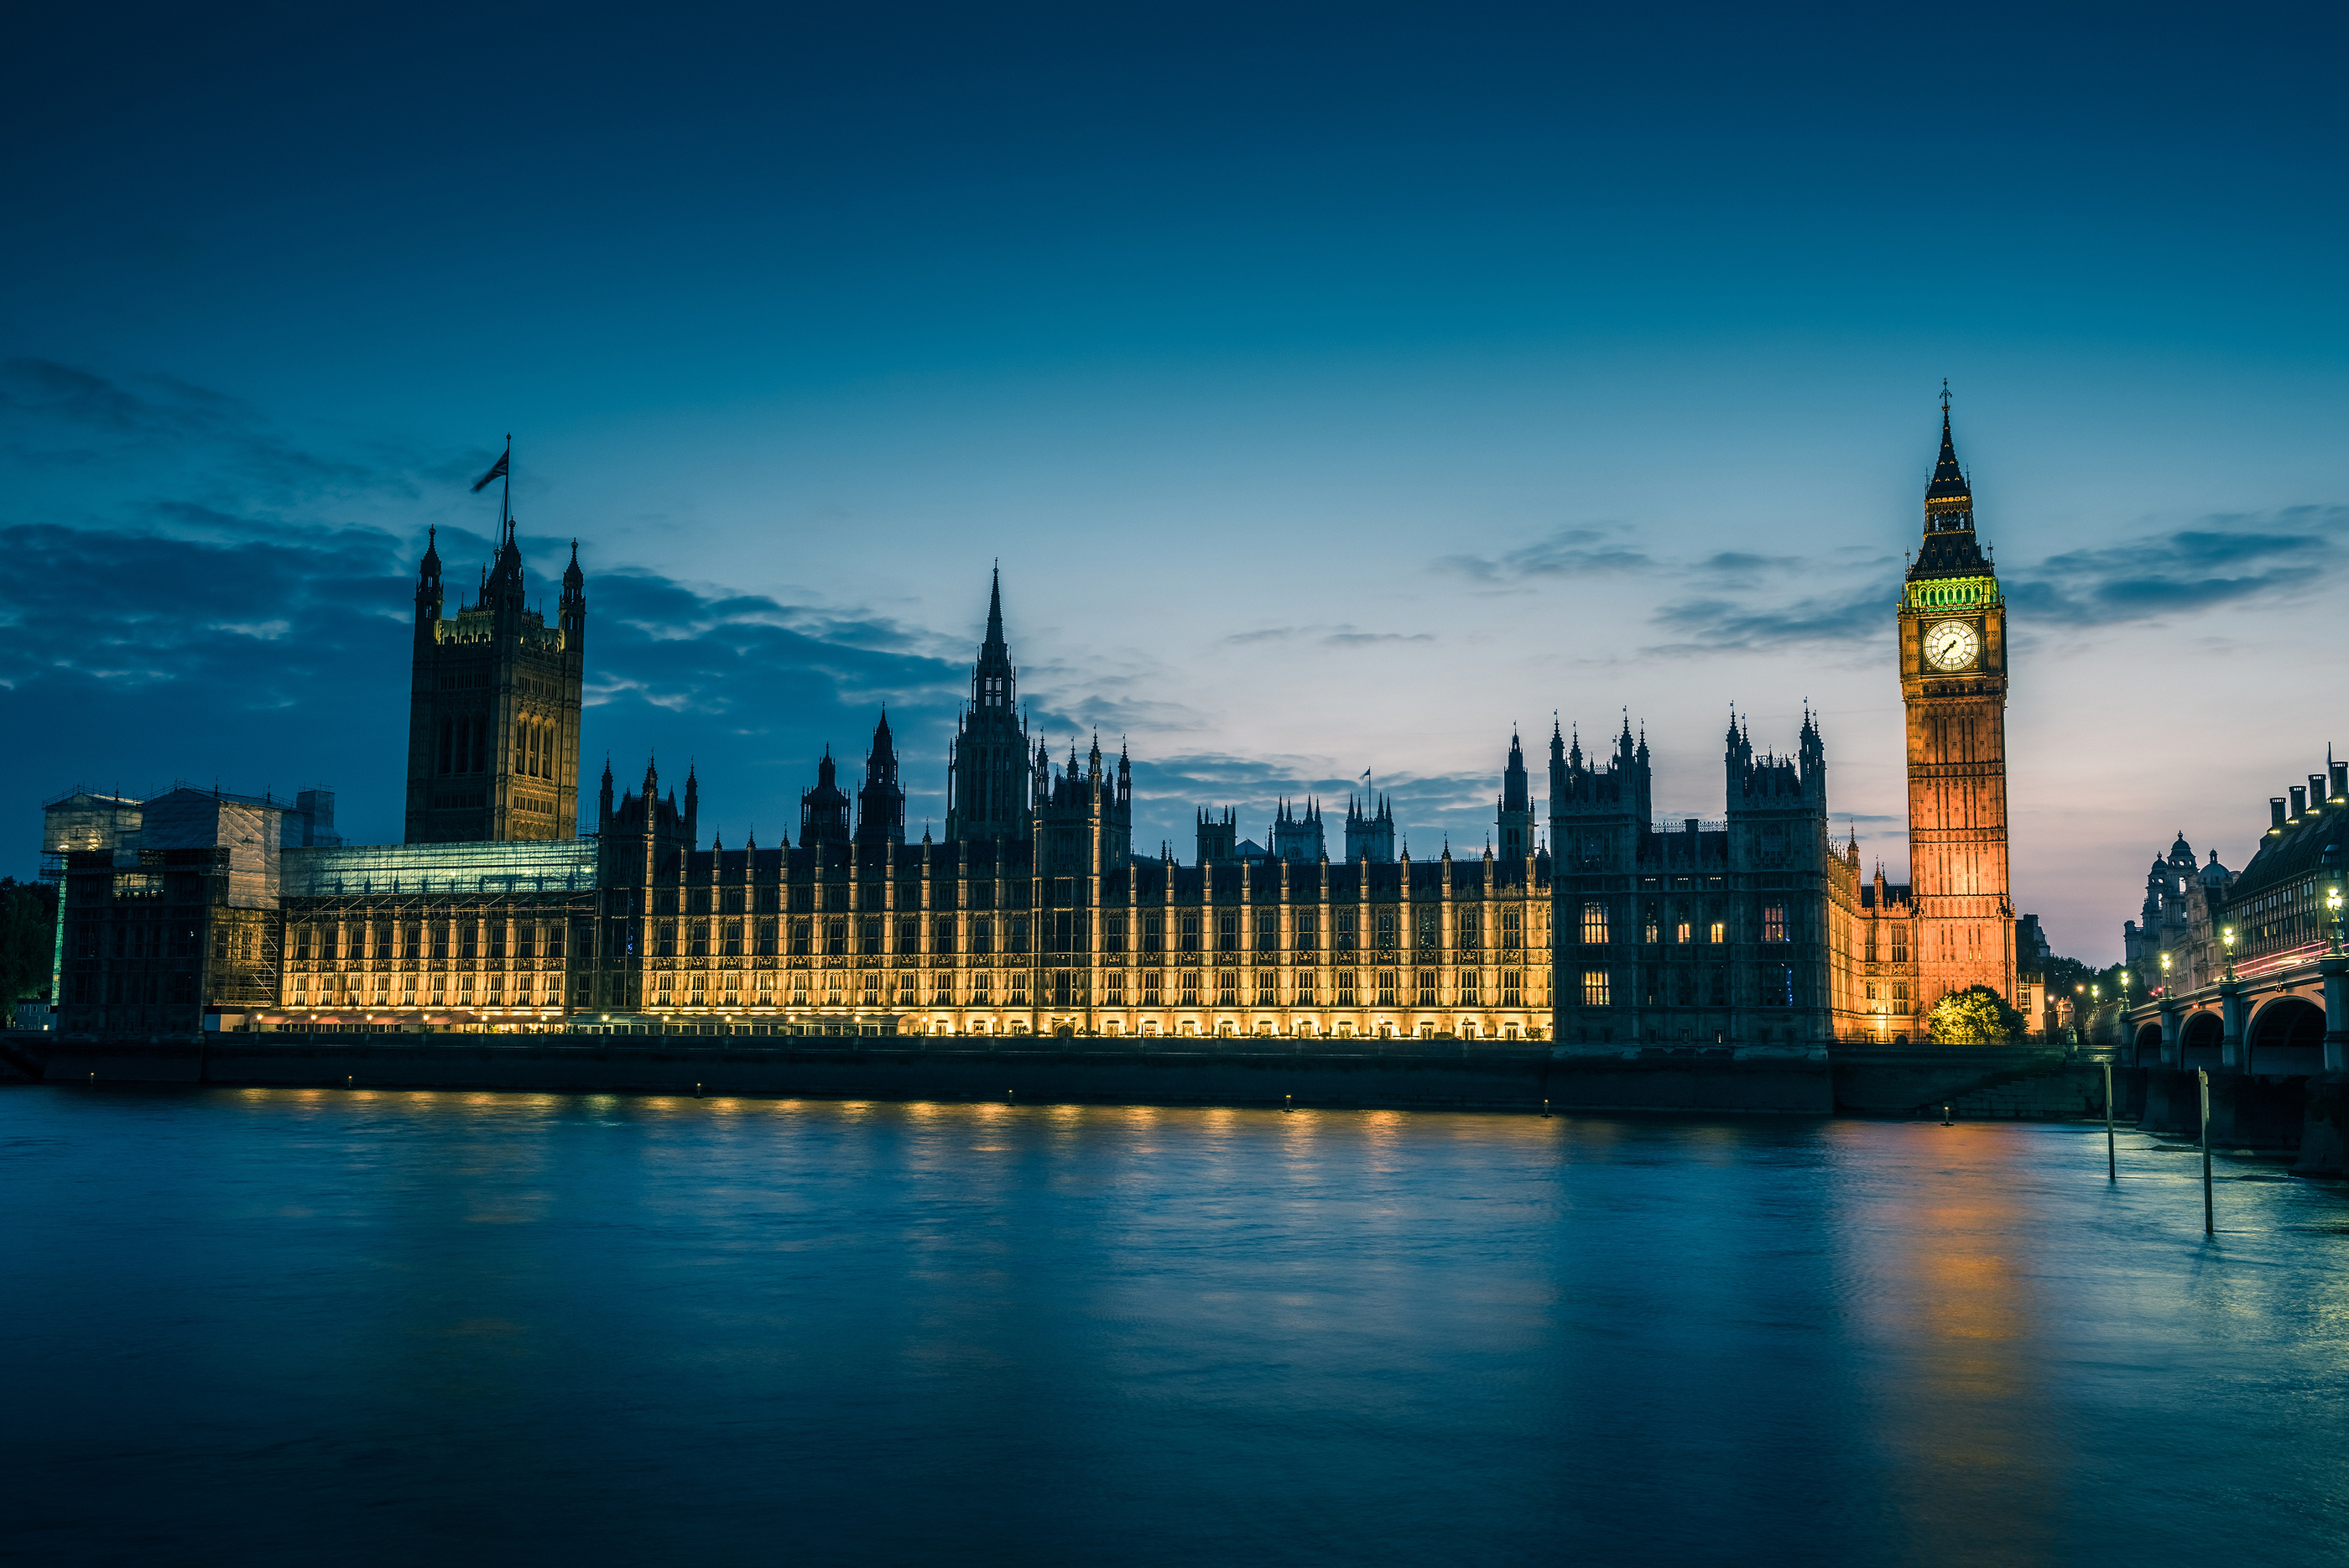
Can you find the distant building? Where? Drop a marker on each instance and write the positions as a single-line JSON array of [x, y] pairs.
[[170, 915], [2261, 1002], [494, 708]]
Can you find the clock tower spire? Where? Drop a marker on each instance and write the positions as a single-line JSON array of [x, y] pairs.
[[1953, 671]]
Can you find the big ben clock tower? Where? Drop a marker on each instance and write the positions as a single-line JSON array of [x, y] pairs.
[[1953, 683]]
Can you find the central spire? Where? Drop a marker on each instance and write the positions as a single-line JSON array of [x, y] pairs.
[[995, 609], [1949, 499]]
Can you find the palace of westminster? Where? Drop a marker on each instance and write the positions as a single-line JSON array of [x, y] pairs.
[[1032, 915]]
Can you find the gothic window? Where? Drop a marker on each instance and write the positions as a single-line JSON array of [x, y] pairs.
[[1471, 993], [869, 935], [1113, 988], [1345, 988], [982, 936], [1720, 996], [1650, 932], [909, 935], [1018, 934], [1427, 997], [1869, 955], [1594, 922], [1187, 926], [1386, 988], [1227, 988], [1346, 930], [1228, 931], [733, 938], [835, 938], [1594, 988], [1513, 928], [1190, 988], [769, 900], [525, 939], [942, 989], [664, 942], [1386, 918], [1513, 988], [1468, 927], [468, 941], [1308, 931], [1774, 922], [733, 900], [1900, 944], [555, 940], [1305, 988], [1151, 988], [1267, 932], [1153, 934], [942, 934], [1114, 933]]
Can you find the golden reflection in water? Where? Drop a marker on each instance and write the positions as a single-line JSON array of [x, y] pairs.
[[1974, 1467]]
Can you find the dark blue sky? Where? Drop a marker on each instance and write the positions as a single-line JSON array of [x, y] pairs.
[[1338, 386]]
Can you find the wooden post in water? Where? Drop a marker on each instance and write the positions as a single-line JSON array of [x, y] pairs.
[[2112, 1166], [2202, 1078]]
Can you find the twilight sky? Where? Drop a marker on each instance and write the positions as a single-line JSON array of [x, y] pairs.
[[1338, 386]]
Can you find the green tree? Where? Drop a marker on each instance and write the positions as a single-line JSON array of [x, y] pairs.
[[1975, 1016], [28, 915]]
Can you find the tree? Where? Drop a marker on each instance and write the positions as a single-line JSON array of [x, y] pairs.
[[28, 918], [1975, 1016]]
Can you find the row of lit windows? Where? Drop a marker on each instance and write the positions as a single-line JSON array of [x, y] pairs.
[[1186, 988], [465, 939], [384, 988], [1596, 924], [1062, 932], [1775, 986]]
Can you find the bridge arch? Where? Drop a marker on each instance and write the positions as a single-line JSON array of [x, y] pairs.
[[2287, 1035], [2149, 1045], [2201, 1038]]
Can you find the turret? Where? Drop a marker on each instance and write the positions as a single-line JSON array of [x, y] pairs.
[[881, 803]]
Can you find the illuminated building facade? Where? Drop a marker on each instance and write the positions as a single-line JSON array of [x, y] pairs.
[[1953, 674], [1035, 917]]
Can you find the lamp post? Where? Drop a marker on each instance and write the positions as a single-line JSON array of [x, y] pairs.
[[2227, 935], [2165, 971], [2332, 907], [2080, 1016]]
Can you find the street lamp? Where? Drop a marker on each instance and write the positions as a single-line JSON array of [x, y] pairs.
[[2333, 904], [2227, 935], [2165, 971]]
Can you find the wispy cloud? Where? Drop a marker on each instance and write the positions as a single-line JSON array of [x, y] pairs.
[[2222, 562], [1343, 635], [1574, 551]]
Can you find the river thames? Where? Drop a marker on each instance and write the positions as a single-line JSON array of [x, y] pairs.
[[282, 1327]]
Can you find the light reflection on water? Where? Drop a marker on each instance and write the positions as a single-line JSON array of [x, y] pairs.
[[279, 1327]]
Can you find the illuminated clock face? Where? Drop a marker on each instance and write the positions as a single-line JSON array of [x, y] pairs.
[[1951, 645]]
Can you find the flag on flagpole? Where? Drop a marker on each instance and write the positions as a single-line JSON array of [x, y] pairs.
[[1366, 772], [497, 471]]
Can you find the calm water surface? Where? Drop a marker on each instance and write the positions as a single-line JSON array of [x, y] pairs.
[[277, 1327]]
